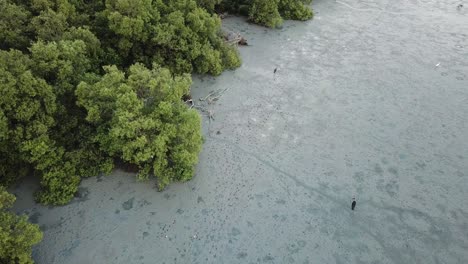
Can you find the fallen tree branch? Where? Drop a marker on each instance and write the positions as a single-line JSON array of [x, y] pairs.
[[232, 38]]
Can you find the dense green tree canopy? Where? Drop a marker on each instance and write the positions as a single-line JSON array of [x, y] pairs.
[[141, 119], [17, 235], [54, 83], [295, 9], [269, 13], [265, 12], [84, 83], [28, 105]]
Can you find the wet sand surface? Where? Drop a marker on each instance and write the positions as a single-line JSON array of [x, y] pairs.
[[370, 100]]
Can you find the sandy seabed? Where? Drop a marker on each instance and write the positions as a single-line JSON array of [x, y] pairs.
[[370, 100]]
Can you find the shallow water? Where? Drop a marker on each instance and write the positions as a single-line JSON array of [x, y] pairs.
[[370, 100]]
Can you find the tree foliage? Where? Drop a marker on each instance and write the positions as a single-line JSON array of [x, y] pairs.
[[269, 13], [141, 119], [176, 34], [86, 82], [265, 13], [209, 5], [28, 105], [17, 235], [295, 9]]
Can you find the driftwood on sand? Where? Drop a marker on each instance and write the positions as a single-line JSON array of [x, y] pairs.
[[224, 15], [234, 38], [205, 104]]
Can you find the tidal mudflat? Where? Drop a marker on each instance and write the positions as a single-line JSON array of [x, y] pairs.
[[369, 100]]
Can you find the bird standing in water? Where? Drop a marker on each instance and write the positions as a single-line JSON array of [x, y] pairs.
[[353, 204], [275, 70]]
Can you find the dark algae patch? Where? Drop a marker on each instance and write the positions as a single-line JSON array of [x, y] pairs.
[[128, 204]]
